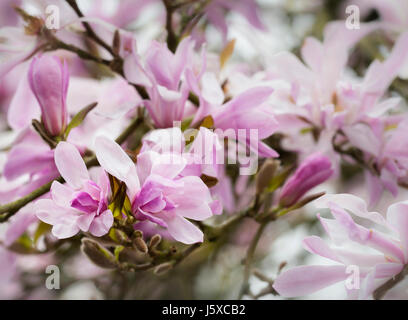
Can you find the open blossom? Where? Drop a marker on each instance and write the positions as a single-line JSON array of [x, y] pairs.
[[323, 93], [313, 171], [156, 191], [378, 256], [82, 203], [248, 111], [382, 143], [161, 73], [48, 79]]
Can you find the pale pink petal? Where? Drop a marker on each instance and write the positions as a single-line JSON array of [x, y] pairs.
[[182, 230], [312, 53], [64, 230], [23, 106], [48, 211], [61, 194], [116, 162], [168, 165], [363, 137], [85, 220], [211, 89], [144, 165], [364, 236], [316, 245], [397, 216], [101, 224], [70, 164], [303, 280], [353, 204]]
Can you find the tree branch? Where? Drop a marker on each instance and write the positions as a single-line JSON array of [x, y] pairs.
[[381, 291], [249, 259], [90, 32]]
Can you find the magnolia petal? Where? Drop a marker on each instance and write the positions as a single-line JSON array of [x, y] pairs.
[[397, 216], [182, 230], [70, 164], [101, 224], [353, 204], [116, 162], [303, 280]]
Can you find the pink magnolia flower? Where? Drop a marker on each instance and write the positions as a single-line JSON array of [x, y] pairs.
[[82, 203], [321, 93], [248, 111], [383, 146], [203, 156], [323, 96], [377, 256], [162, 75], [49, 79], [156, 190], [313, 171]]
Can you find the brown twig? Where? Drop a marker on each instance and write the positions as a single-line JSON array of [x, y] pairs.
[[381, 291], [90, 32]]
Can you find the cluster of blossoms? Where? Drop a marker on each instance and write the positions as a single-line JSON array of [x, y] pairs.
[[141, 148]]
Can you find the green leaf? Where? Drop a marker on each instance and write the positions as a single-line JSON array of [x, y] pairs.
[[79, 118], [118, 236], [186, 123], [42, 228], [23, 245], [279, 179], [266, 174], [117, 252], [99, 255]]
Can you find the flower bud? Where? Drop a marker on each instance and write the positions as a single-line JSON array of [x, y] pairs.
[[48, 79], [313, 171], [155, 240], [265, 174], [98, 254]]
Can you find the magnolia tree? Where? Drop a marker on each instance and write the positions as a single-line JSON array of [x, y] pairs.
[[191, 148]]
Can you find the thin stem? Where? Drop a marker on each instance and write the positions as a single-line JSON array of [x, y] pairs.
[[172, 40], [249, 258], [187, 252], [381, 291], [213, 232], [91, 33], [58, 44], [11, 208]]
